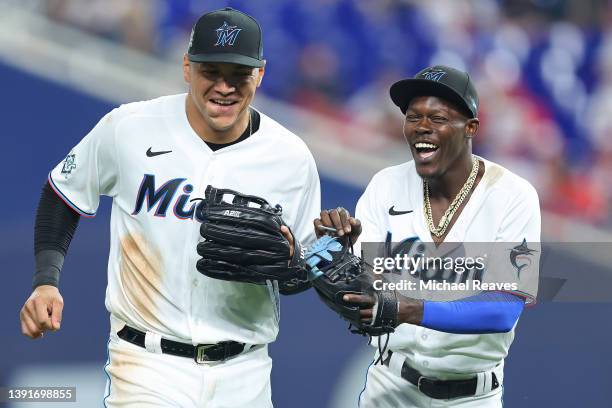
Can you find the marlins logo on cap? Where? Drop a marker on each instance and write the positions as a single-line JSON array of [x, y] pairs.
[[433, 75], [441, 81], [227, 34]]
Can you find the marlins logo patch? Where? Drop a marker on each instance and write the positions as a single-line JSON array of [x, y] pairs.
[[520, 256], [433, 75], [227, 34], [69, 164]]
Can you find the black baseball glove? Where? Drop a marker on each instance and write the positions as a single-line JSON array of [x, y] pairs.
[[243, 241], [335, 271]]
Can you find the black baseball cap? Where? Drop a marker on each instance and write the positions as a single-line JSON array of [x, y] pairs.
[[444, 82], [227, 35]]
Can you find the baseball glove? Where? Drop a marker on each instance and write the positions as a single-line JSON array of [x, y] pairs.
[[243, 241], [335, 271]]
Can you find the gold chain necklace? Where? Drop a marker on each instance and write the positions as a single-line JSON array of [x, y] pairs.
[[452, 208]]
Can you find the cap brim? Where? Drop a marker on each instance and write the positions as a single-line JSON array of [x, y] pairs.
[[228, 58], [402, 92]]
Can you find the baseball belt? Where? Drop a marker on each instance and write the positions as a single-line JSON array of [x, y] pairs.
[[202, 353], [441, 389]]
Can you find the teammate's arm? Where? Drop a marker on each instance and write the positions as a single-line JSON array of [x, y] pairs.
[[53, 231], [487, 312]]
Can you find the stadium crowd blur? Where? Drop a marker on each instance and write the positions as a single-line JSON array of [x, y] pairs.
[[543, 69]]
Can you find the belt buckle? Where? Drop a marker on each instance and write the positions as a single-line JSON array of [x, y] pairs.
[[200, 353], [429, 392], [421, 378]]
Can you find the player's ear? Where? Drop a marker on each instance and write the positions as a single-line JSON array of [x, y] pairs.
[[186, 69], [260, 74], [471, 127]]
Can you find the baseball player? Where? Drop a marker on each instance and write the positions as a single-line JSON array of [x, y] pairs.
[[446, 353], [178, 337]]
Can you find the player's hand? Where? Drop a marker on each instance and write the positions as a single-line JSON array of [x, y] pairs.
[[409, 310], [42, 311], [289, 237], [340, 220], [365, 303]]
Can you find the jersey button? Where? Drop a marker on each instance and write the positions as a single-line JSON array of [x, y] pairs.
[[424, 336], [425, 363], [195, 283]]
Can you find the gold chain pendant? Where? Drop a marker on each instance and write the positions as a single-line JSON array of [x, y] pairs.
[[454, 205]]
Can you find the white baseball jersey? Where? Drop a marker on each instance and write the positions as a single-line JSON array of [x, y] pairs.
[[503, 209], [146, 156]]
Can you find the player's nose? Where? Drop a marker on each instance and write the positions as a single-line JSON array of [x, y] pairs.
[[422, 128], [224, 86]]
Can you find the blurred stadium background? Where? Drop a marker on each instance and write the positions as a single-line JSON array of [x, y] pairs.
[[543, 69]]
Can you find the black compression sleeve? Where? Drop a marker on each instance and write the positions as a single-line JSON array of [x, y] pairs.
[[55, 225]]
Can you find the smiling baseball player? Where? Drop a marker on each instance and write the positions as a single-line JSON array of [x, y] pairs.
[[445, 353], [178, 337]]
